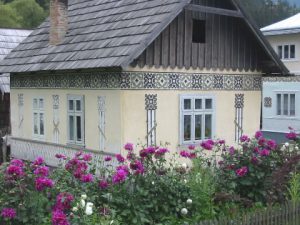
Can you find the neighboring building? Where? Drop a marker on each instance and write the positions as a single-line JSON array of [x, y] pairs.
[[282, 94], [9, 39], [108, 72]]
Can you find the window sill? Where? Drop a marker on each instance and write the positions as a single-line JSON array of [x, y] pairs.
[[290, 60], [284, 118], [76, 146]]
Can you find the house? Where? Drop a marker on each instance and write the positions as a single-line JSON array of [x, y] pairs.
[[100, 73], [9, 39], [282, 94]]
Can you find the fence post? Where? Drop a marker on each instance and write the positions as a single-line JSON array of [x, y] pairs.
[[4, 148]]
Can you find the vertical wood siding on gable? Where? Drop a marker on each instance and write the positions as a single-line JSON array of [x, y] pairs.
[[229, 43]]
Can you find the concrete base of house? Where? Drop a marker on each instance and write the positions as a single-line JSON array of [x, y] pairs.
[[279, 137], [29, 150]]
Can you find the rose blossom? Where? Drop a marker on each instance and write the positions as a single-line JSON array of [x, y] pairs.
[[103, 184], [128, 146], [59, 218], [242, 171], [107, 158], [8, 213], [120, 158], [41, 183], [258, 135]]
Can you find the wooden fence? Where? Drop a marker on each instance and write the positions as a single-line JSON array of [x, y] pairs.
[[288, 214]]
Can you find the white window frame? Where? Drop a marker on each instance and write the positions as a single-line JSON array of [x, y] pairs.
[[282, 104], [289, 53], [75, 113], [193, 112], [38, 109]]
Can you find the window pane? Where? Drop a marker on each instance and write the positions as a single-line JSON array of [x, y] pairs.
[[292, 104], [279, 51], [208, 126], [198, 103], [78, 105], [198, 127], [71, 105], [71, 127], [187, 104], [278, 104], [208, 103], [35, 123], [78, 126], [41, 123], [187, 127], [286, 51], [41, 103], [285, 104], [292, 51], [35, 103]]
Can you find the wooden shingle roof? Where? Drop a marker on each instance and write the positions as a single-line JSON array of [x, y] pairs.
[[101, 33]]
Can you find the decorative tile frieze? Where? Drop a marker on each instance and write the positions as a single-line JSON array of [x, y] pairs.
[[282, 79], [139, 80], [239, 101], [150, 102], [268, 102]]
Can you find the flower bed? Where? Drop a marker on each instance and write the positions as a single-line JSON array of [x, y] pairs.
[[145, 188]]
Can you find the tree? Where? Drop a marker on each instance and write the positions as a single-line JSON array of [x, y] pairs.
[[9, 17], [32, 13]]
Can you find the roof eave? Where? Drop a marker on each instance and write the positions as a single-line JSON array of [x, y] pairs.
[[262, 39]]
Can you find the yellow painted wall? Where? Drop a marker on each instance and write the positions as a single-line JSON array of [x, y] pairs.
[[168, 114], [113, 115], [126, 114]]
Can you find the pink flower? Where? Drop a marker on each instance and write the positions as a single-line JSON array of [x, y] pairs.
[[221, 142], [8, 213], [143, 153], [242, 171], [128, 147], [17, 162], [256, 150], [87, 178], [151, 150], [262, 141], [191, 147], [64, 201], [107, 158], [41, 183], [193, 155], [59, 218], [103, 184], [258, 135], [15, 171], [39, 161], [231, 150], [119, 176], [87, 157], [264, 152], [207, 145], [291, 136], [78, 153], [254, 160], [60, 156], [161, 152], [271, 144], [120, 158], [185, 154], [42, 171], [138, 167], [244, 138]]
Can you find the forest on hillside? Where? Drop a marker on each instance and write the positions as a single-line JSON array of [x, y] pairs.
[[28, 14]]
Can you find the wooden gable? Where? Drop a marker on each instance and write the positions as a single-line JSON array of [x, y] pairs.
[[229, 42]]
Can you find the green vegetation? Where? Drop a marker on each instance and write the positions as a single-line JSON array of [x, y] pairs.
[[26, 14]]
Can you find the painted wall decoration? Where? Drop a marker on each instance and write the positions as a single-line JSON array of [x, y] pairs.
[[268, 102], [55, 99], [101, 123], [151, 107], [239, 107], [140, 80], [21, 114]]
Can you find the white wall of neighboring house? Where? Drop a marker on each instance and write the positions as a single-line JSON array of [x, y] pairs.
[[288, 39], [276, 124]]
